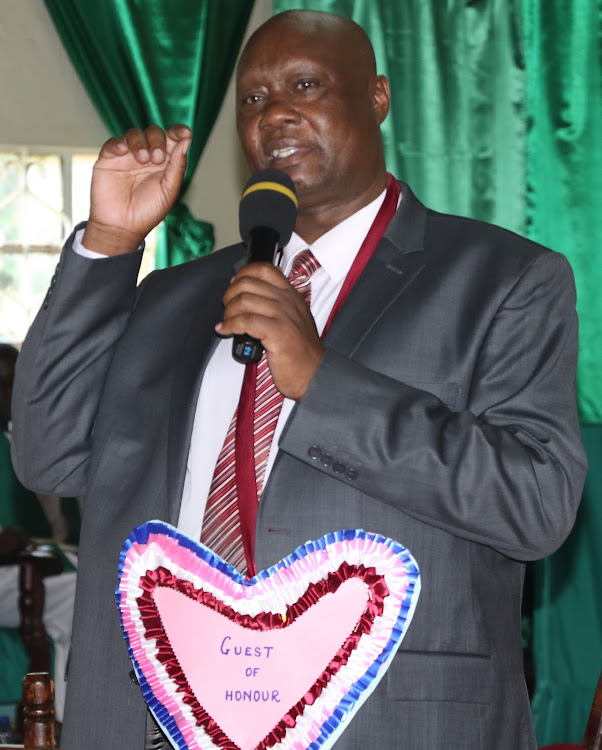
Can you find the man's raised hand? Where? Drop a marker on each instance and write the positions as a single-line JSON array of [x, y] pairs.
[[135, 182]]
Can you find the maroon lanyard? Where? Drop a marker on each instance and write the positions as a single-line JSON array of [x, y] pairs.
[[376, 231], [244, 450]]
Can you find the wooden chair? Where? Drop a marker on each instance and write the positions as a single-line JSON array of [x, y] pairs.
[[592, 739], [38, 713], [35, 562]]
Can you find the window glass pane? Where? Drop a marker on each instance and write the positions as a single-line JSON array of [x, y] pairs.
[[42, 196], [42, 222], [82, 178], [10, 170], [24, 280]]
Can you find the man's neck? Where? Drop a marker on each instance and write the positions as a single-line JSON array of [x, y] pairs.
[[315, 221]]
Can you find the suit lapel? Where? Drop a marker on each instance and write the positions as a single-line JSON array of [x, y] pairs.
[[397, 260], [199, 345]]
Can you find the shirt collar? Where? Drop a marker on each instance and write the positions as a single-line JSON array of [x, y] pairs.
[[336, 250]]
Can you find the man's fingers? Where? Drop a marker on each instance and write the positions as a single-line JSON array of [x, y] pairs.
[[151, 145], [178, 139], [254, 324], [135, 140], [176, 166], [112, 148], [250, 284], [257, 278], [156, 143], [178, 132], [248, 304], [261, 309]]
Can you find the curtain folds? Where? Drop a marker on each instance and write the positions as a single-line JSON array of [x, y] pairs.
[[157, 61], [497, 114], [563, 48], [567, 647]]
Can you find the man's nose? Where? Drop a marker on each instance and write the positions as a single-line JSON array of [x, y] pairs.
[[278, 111]]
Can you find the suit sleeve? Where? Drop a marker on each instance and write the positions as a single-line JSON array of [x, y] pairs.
[[62, 367], [507, 470]]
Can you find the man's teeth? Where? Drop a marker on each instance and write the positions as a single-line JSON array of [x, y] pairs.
[[281, 153]]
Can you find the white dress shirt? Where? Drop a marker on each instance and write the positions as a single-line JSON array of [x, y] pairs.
[[222, 381]]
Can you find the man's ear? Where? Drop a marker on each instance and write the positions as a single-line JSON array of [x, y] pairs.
[[381, 97]]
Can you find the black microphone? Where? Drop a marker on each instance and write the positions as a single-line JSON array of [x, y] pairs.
[[267, 216]]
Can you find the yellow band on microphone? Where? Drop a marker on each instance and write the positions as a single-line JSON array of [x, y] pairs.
[[271, 186]]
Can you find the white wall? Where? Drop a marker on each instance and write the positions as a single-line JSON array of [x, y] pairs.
[[42, 100], [43, 103]]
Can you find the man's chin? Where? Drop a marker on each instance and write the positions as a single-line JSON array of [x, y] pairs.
[[306, 181]]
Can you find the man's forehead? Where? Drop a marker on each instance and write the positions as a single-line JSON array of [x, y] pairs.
[[305, 23], [288, 60], [308, 35], [292, 48]]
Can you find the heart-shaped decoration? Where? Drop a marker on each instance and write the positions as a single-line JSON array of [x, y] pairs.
[[282, 660]]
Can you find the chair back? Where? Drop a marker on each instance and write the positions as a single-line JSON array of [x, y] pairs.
[[38, 713], [593, 732]]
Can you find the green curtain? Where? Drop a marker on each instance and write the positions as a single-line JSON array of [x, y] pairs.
[[563, 50], [497, 114], [157, 61], [568, 616]]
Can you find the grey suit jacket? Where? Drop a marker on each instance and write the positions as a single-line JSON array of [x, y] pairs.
[[443, 415]]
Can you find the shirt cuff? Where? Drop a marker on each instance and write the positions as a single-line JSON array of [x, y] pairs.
[[81, 250]]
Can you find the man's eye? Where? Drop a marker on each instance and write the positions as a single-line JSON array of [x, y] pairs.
[[307, 84], [252, 99]]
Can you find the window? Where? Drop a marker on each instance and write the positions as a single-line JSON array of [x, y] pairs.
[[43, 194]]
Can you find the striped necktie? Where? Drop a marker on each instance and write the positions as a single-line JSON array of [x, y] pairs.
[[221, 524]]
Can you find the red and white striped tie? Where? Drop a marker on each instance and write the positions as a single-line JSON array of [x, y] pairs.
[[221, 524]]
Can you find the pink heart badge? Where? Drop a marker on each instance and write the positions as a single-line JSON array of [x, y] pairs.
[[283, 660]]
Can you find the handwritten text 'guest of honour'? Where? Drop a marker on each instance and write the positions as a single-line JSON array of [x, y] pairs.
[[256, 652]]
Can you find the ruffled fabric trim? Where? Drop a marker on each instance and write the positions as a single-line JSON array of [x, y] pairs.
[[157, 555]]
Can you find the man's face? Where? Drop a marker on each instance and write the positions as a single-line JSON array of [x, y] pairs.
[[305, 106]]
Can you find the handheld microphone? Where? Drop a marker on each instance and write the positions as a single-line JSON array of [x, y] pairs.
[[267, 216]]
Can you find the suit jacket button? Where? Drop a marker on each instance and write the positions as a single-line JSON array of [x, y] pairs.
[[133, 677], [339, 467], [351, 474], [314, 452], [326, 460]]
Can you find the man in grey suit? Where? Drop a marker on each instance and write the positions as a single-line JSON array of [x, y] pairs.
[[438, 409]]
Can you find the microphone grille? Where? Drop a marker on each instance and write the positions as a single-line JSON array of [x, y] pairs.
[[268, 200]]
